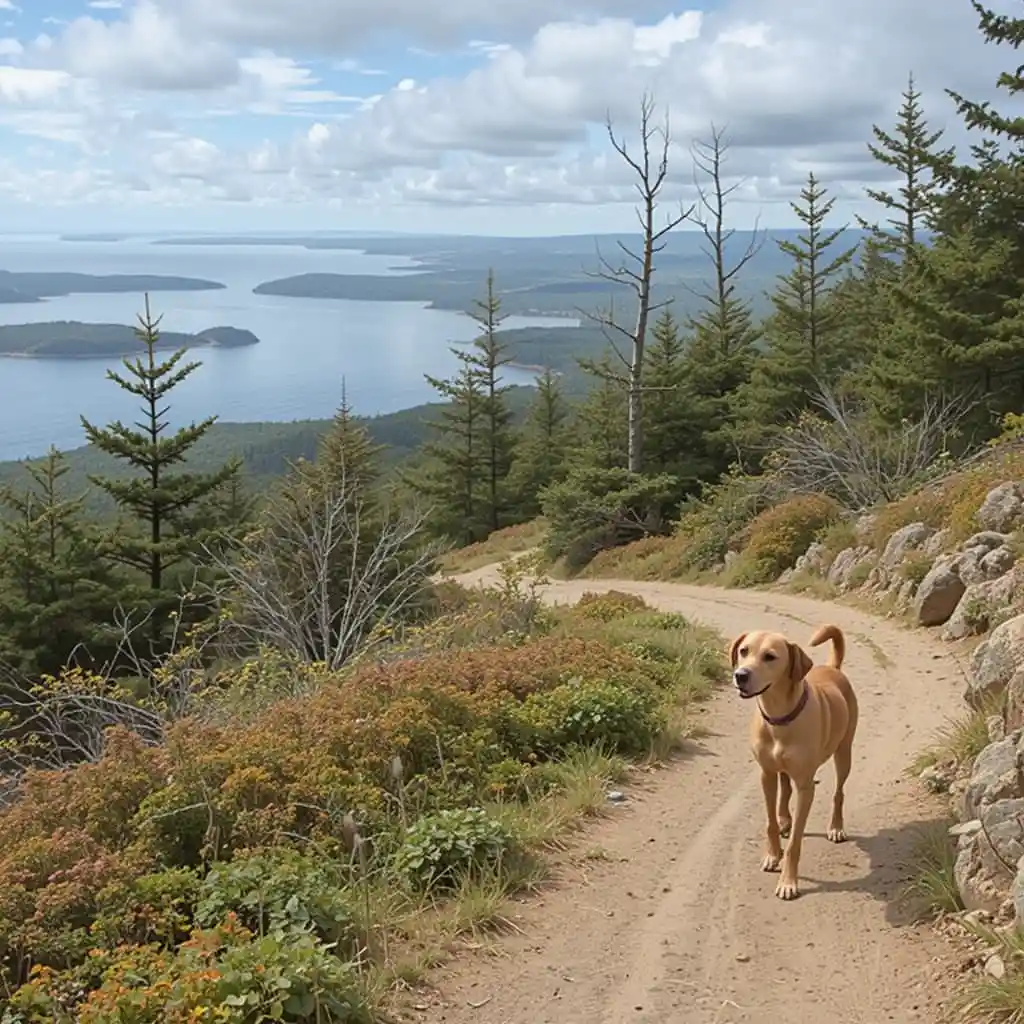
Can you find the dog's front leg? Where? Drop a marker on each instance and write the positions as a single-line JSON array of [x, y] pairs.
[[785, 794], [770, 788], [788, 888]]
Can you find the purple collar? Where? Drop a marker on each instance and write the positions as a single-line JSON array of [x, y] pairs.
[[789, 716]]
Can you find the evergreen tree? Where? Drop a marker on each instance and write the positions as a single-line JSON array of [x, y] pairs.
[[723, 349], [804, 340], [673, 422], [489, 355], [540, 457], [912, 154], [603, 440], [454, 473], [169, 509], [57, 595]]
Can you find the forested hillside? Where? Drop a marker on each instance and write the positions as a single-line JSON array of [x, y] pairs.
[[254, 757]]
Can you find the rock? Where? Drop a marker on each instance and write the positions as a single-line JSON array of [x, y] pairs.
[[987, 539], [981, 871], [787, 576], [844, 564], [1017, 895], [938, 595], [994, 777], [1013, 712], [996, 728], [936, 543], [864, 529], [616, 797], [813, 560], [994, 662], [936, 778], [1003, 507], [968, 566], [966, 828], [907, 538], [994, 967], [998, 562], [983, 604], [730, 557]]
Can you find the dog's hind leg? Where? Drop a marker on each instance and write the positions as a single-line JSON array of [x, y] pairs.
[[773, 855], [785, 795], [788, 887], [842, 759]]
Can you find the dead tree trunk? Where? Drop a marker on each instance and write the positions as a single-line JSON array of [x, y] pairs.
[[636, 269]]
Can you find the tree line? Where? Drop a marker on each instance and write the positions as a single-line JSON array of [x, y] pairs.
[[919, 323]]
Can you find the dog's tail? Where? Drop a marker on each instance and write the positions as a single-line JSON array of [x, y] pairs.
[[835, 634]]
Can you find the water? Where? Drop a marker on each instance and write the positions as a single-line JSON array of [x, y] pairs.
[[307, 346]]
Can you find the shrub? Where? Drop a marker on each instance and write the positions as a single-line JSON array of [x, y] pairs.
[[836, 537], [612, 604], [594, 509], [441, 850], [247, 979], [778, 536], [281, 891]]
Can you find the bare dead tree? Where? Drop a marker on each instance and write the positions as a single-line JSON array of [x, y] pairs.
[[635, 270], [719, 296], [323, 571], [841, 452]]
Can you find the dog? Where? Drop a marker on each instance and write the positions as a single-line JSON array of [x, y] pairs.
[[806, 713]]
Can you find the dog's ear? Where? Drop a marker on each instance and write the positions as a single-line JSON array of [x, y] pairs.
[[735, 647], [799, 663]]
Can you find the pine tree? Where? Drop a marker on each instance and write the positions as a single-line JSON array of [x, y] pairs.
[[57, 595], [168, 508], [489, 355], [723, 349], [540, 457], [911, 151], [804, 336], [673, 425], [603, 427], [453, 475]]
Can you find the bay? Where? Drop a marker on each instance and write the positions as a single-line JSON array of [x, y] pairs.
[[308, 347]]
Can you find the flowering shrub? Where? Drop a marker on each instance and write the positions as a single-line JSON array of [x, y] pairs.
[[612, 604]]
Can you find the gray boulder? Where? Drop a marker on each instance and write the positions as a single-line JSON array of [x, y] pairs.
[[938, 595], [1003, 507], [994, 661]]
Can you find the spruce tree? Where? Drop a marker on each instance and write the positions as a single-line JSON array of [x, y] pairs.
[[603, 440], [168, 511], [673, 416], [911, 152], [57, 594], [804, 338], [453, 474], [541, 454], [489, 355], [723, 348]]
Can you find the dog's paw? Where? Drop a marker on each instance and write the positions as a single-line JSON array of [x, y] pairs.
[[836, 835], [771, 862], [785, 827], [787, 890]]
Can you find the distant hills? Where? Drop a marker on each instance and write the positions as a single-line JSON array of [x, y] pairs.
[[70, 339], [38, 285]]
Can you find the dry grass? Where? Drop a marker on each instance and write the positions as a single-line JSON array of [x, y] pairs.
[[991, 1000], [933, 890], [513, 540], [960, 740]]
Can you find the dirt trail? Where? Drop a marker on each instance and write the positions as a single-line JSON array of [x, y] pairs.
[[676, 924]]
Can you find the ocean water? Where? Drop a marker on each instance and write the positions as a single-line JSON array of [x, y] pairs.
[[308, 347]]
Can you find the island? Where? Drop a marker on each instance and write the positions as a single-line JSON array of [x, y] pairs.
[[70, 339], [34, 286]]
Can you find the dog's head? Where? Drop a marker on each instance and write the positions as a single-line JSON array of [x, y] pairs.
[[761, 660]]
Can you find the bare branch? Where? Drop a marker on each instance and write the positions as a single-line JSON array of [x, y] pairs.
[[324, 571], [842, 453]]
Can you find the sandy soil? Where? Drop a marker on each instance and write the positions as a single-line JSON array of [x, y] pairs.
[[674, 923]]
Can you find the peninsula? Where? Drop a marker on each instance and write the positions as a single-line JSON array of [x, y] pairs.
[[69, 339], [35, 286]]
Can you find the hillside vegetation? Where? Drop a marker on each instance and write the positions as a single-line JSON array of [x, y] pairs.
[[259, 763]]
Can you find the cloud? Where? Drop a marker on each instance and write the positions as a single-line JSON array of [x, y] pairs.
[[176, 101], [148, 50]]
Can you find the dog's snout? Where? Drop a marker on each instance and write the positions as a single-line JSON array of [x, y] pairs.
[[741, 675]]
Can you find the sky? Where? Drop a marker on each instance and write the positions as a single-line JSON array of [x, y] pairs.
[[462, 116]]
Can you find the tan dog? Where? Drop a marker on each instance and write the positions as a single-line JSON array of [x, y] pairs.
[[806, 714]]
